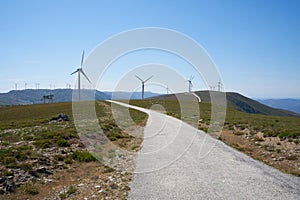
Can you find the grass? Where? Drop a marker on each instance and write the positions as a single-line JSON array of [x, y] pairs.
[[24, 130], [30, 188], [71, 190], [284, 127]]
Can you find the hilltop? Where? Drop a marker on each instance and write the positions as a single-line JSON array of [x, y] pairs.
[[31, 96], [239, 102]]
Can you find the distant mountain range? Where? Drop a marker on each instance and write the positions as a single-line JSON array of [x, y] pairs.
[[277, 107], [30, 96], [287, 104], [239, 102]]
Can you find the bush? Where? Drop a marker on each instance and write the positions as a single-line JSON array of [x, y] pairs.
[[70, 191], [83, 156], [68, 161], [43, 144], [29, 188], [63, 143]]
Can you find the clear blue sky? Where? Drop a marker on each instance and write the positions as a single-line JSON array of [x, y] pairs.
[[255, 44]]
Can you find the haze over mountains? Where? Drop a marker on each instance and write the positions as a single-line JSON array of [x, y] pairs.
[[287, 104]]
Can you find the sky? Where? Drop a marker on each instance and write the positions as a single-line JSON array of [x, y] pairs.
[[255, 44]]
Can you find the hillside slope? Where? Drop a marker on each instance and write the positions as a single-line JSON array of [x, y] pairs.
[[30, 96], [238, 102]]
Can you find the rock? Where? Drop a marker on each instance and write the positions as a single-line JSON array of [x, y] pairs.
[[2, 190], [24, 179], [43, 170], [61, 117], [34, 173], [11, 186], [97, 187], [2, 179], [80, 185], [48, 180], [281, 158]]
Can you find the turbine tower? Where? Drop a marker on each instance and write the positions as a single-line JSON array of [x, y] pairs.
[[143, 84], [80, 71], [220, 86], [190, 83], [167, 88], [68, 86]]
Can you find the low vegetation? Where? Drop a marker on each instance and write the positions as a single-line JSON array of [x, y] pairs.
[[272, 126], [30, 143]]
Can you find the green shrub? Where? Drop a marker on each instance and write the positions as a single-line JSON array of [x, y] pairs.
[[83, 156], [71, 190], [9, 160], [63, 143], [44, 143], [68, 161], [30, 188]]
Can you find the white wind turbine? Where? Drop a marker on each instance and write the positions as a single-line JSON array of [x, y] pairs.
[[190, 83], [80, 71], [143, 84]]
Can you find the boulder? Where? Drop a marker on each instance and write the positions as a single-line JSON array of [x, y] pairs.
[[61, 117]]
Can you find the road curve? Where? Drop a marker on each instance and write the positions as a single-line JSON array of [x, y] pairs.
[[179, 162]]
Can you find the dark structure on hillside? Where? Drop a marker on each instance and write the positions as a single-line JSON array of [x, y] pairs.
[[48, 98]]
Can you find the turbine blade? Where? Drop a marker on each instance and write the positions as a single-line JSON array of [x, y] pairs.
[[139, 78], [82, 57], [75, 72], [148, 78], [192, 77], [86, 76]]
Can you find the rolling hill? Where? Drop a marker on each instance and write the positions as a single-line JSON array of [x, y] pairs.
[[31, 96], [238, 102]]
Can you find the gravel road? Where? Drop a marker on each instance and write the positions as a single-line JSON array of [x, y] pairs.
[[178, 161]]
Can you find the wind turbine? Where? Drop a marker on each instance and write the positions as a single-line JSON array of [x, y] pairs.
[[212, 88], [37, 86], [80, 71], [68, 86], [190, 83], [167, 88], [220, 85], [143, 84]]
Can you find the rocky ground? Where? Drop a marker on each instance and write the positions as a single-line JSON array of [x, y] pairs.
[[51, 162], [280, 153]]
